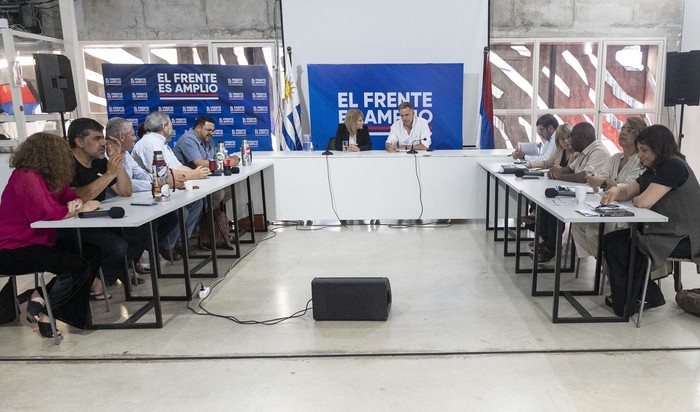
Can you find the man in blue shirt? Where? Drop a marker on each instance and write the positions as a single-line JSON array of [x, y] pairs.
[[195, 148]]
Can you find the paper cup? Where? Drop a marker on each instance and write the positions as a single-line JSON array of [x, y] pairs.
[[189, 185], [581, 194]]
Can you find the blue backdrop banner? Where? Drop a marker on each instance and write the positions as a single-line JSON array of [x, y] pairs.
[[236, 97], [435, 90]]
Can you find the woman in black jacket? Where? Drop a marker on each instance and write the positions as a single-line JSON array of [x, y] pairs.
[[354, 132]]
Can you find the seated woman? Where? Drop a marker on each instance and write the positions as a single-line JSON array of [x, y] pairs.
[[668, 186], [354, 132], [562, 152], [561, 157], [622, 168], [38, 189]]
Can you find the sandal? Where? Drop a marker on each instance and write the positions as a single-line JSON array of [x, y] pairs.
[[46, 331], [100, 296], [34, 309]]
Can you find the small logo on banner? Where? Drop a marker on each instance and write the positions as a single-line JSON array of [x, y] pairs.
[[113, 81], [138, 81], [134, 122], [213, 109], [260, 109], [262, 132], [116, 110], [258, 82], [259, 96], [235, 96], [190, 109], [237, 109], [249, 121], [253, 143], [235, 82], [166, 109], [139, 96], [142, 110], [115, 96], [218, 133], [226, 121], [238, 132], [179, 121]]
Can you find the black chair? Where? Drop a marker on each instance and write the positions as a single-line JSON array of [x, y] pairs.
[[331, 143], [38, 280]]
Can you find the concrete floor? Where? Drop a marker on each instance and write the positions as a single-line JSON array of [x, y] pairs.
[[463, 334]]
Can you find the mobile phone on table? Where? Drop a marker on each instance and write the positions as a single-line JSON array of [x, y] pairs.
[[144, 203]]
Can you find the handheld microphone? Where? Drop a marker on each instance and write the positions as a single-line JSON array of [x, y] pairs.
[[328, 148], [115, 212], [413, 151], [552, 192], [523, 172]]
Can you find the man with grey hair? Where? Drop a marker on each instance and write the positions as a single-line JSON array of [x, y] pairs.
[[159, 131], [409, 131]]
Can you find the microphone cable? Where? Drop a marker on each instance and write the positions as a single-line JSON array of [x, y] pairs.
[[330, 189]]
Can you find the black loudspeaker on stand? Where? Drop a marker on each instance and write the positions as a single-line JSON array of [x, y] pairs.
[[682, 85], [362, 298], [56, 88]]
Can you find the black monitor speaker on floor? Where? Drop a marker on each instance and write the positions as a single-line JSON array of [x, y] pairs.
[[682, 78], [363, 298], [55, 80]]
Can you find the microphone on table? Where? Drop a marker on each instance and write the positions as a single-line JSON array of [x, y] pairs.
[[523, 172], [552, 192], [328, 148], [115, 212], [413, 151]]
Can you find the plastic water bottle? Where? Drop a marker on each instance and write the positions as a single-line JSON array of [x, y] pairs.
[[246, 154], [220, 156], [159, 174]]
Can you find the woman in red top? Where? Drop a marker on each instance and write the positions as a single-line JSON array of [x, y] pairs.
[[38, 189]]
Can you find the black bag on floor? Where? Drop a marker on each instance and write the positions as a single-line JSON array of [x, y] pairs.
[[689, 301]]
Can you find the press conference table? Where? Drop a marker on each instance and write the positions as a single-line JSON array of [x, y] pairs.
[[563, 210], [443, 184], [136, 216]]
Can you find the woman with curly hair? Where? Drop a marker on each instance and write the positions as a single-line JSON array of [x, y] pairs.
[[39, 189]]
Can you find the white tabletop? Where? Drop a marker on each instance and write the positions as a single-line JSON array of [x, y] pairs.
[[563, 208], [135, 216]]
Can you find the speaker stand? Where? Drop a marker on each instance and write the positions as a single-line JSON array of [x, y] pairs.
[[680, 127], [63, 125]]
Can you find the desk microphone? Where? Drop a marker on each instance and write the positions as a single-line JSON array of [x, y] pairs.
[[552, 192], [115, 212], [523, 172], [413, 151], [328, 148]]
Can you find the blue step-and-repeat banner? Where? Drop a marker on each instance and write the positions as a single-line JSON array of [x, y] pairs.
[[435, 90], [236, 97]]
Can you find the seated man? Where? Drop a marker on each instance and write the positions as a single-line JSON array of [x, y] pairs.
[[592, 158], [195, 148], [546, 126], [409, 131], [121, 131], [159, 131], [93, 175]]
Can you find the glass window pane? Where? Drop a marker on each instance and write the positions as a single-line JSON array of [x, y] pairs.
[[511, 129], [631, 76], [191, 54], [511, 76], [94, 58], [567, 75]]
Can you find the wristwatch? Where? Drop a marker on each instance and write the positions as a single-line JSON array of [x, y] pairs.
[[604, 184]]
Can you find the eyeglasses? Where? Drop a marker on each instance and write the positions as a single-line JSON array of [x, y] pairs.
[[627, 129]]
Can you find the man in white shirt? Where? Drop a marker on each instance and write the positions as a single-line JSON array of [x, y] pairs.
[[546, 126], [159, 131], [409, 131]]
